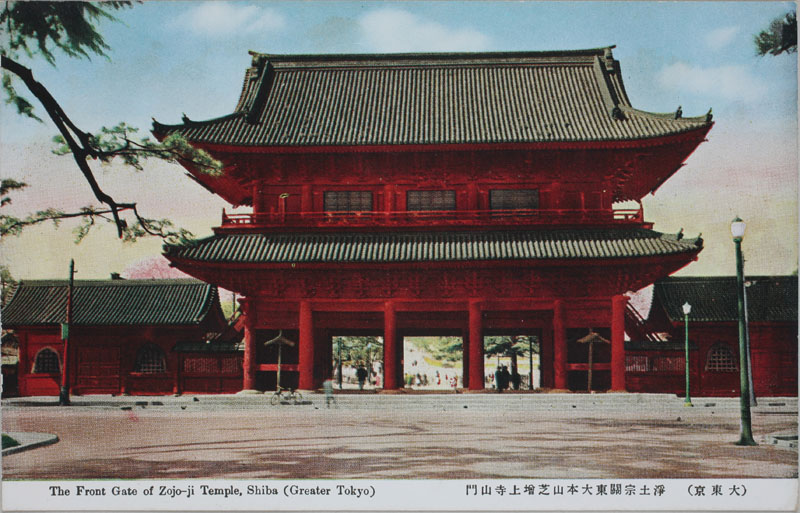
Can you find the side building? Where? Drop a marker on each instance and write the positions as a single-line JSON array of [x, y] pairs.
[[125, 337], [460, 194], [659, 365]]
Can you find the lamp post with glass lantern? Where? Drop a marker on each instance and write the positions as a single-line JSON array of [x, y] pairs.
[[746, 434], [687, 309]]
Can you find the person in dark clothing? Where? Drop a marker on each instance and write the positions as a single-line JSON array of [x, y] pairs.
[[515, 379], [505, 377], [361, 374]]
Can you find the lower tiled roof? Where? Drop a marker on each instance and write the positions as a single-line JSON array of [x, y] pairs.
[[112, 303], [715, 299], [389, 247]]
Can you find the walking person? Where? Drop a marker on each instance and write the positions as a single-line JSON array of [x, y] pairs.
[[327, 387]]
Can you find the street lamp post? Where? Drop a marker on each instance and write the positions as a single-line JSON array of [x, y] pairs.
[[339, 350], [687, 309], [369, 363], [746, 434]]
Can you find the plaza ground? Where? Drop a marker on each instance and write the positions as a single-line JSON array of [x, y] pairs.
[[408, 436]]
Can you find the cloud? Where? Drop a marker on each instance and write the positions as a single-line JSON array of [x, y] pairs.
[[225, 19], [395, 30], [729, 82], [721, 37]]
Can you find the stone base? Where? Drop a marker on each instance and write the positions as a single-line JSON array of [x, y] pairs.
[[249, 392]]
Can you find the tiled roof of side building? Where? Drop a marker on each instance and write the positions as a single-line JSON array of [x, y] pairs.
[[113, 303], [714, 298], [390, 247], [456, 98]]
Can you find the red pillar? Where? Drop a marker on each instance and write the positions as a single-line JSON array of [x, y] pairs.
[[249, 364], [475, 346], [618, 343], [559, 346], [390, 357], [306, 363]]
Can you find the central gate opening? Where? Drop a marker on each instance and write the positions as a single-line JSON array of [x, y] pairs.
[[512, 361], [433, 362], [357, 361]]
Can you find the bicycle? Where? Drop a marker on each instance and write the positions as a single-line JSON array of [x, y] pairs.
[[286, 395]]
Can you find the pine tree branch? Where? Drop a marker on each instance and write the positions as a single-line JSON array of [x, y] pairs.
[[67, 128]]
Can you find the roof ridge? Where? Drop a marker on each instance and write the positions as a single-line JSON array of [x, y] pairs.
[[584, 52], [122, 282]]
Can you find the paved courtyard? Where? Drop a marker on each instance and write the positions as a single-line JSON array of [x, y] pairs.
[[408, 436]]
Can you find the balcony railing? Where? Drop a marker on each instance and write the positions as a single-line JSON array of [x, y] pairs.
[[431, 219]]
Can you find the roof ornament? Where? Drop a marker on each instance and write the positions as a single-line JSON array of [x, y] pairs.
[[679, 236], [709, 116], [679, 112], [609, 58], [616, 113]]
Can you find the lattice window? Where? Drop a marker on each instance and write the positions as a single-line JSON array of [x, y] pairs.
[[636, 363], [231, 365], [348, 201], [46, 362], [668, 364], [431, 200], [200, 364], [150, 360], [721, 359], [513, 199]]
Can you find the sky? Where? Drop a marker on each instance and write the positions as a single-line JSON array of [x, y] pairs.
[[170, 58]]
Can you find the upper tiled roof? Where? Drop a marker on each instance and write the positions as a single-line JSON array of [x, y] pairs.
[[388, 247], [453, 98], [112, 303], [714, 299]]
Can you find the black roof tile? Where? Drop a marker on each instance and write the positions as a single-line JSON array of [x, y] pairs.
[[112, 303], [516, 97], [714, 298], [386, 247]]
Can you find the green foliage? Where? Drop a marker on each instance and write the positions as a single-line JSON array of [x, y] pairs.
[[40, 29], [7, 284], [9, 442], [780, 37], [121, 142], [6, 186], [447, 349], [354, 350], [509, 346]]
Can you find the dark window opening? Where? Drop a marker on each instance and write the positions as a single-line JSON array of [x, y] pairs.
[[348, 201], [513, 199], [46, 362], [150, 360], [721, 359], [431, 200]]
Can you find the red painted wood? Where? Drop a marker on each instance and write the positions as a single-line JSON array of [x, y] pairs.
[[476, 352], [273, 367], [559, 346], [391, 361], [618, 342], [585, 366], [306, 364], [430, 220], [250, 322]]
